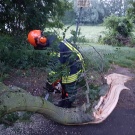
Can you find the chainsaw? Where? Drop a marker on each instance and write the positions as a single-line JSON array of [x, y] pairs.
[[55, 87]]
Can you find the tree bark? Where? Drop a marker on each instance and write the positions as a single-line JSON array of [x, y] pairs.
[[17, 99]]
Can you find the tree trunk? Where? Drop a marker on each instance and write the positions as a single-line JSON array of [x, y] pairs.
[[17, 99]]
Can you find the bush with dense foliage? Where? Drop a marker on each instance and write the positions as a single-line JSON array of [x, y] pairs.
[[17, 53], [17, 19], [119, 31], [25, 15]]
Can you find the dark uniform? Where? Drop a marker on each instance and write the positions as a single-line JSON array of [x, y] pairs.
[[72, 58]]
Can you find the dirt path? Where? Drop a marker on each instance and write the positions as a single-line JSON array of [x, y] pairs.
[[120, 122], [127, 98]]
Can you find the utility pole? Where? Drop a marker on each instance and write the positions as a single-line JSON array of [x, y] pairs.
[[78, 20], [83, 4]]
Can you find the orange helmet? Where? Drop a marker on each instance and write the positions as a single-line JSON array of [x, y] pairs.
[[33, 35]]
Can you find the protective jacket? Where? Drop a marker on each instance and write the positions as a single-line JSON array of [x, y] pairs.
[[74, 60], [70, 56]]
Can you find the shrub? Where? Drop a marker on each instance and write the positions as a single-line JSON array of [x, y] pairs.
[[16, 53], [120, 31]]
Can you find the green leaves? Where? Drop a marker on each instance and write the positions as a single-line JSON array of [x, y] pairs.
[[131, 11], [120, 29], [22, 16]]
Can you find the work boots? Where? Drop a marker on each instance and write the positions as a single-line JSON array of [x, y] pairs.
[[64, 103], [61, 103], [67, 104]]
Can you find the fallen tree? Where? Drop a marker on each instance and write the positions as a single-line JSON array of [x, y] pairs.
[[17, 99]]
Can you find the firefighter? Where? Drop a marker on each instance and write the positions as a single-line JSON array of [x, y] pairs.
[[66, 50]]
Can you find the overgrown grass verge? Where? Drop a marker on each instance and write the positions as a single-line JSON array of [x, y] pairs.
[[104, 55]]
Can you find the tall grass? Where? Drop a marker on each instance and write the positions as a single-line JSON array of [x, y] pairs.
[[104, 55]]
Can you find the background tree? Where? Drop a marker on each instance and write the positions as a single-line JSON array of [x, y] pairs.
[[24, 15], [131, 11], [100, 9], [19, 17]]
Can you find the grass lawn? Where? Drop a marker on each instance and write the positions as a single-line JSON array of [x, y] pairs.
[[91, 33], [88, 31], [123, 56]]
